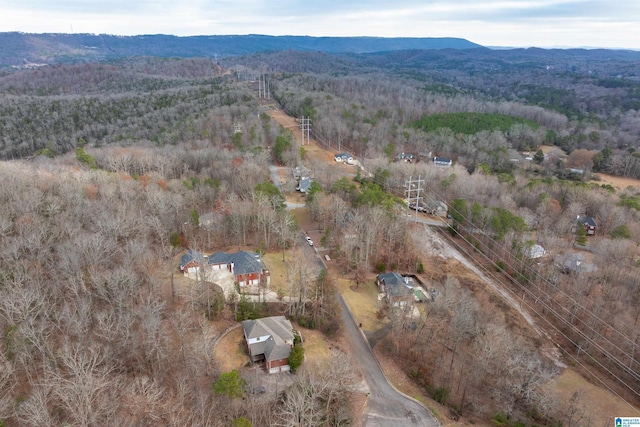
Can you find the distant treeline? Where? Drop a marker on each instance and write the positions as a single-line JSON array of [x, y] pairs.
[[471, 123]]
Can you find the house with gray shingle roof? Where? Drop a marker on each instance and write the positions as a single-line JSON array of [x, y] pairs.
[[191, 261], [269, 339], [399, 290], [247, 267]]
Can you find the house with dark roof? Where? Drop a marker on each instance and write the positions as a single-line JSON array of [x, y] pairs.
[[406, 157], [398, 290], [247, 267], [442, 161], [269, 339], [589, 224], [304, 184], [192, 261]]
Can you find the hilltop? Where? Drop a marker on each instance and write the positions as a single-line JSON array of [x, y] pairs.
[[20, 49]]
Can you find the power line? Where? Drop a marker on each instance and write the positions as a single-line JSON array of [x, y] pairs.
[[572, 328]]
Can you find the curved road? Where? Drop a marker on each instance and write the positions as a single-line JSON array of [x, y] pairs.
[[386, 406]]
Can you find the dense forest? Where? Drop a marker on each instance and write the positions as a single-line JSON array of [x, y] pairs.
[[109, 166]]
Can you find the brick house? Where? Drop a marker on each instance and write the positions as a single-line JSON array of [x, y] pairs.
[[269, 339]]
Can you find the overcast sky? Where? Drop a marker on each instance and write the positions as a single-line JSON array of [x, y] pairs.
[[521, 23]]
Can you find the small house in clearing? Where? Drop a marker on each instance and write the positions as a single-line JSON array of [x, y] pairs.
[[269, 339], [304, 184], [442, 161], [589, 224], [398, 290], [344, 158]]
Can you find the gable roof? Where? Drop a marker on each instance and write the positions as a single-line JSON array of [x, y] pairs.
[[391, 279], [587, 220], [442, 160], [191, 255], [279, 331], [395, 285], [304, 185], [243, 262]]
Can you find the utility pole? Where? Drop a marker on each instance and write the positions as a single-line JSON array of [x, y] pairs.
[[305, 128], [413, 186], [263, 87]]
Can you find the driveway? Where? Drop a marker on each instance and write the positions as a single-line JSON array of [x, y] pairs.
[[386, 406]]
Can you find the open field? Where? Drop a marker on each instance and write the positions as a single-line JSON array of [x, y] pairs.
[[617, 182], [600, 405]]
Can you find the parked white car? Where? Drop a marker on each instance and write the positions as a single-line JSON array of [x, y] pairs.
[[309, 241]]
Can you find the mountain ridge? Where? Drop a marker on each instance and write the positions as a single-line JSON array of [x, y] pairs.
[[52, 48]]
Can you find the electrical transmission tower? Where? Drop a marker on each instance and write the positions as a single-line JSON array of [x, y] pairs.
[[263, 87], [305, 129], [413, 187]]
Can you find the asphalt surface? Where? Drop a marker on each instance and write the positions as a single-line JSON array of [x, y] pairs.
[[385, 406]]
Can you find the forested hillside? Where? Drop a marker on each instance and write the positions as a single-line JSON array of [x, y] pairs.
[[109, 168], [24, 49]]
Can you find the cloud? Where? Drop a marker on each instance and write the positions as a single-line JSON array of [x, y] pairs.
[[489, 22]]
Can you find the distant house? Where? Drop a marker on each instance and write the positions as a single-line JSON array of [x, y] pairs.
[[398, 290], [588, 223], [192, 261], [344, 158], [574, 263], [304, 184], [406, 157], [442, 161], [534, 251], [269, 339], [299, 172], [247, 267], [436, 208]]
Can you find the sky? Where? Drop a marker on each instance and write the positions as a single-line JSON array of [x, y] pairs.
[[508, 23]]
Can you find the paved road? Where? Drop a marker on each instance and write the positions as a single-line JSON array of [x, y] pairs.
[[386, 406]]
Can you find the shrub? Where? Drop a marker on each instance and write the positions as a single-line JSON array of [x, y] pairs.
[[441, 395], [296, 357], [230, 384]]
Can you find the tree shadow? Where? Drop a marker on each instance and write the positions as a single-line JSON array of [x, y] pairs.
[[375, 336]]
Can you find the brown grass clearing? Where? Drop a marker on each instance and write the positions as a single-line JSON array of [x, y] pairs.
[[600, 404], [317, 349], [363, 303], [230, 353], [617, 182], [277, 269]]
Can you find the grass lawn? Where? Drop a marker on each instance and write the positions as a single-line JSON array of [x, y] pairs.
[[362, 302], [599, 403], [277, 269], [316, 348], [229, 351]]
